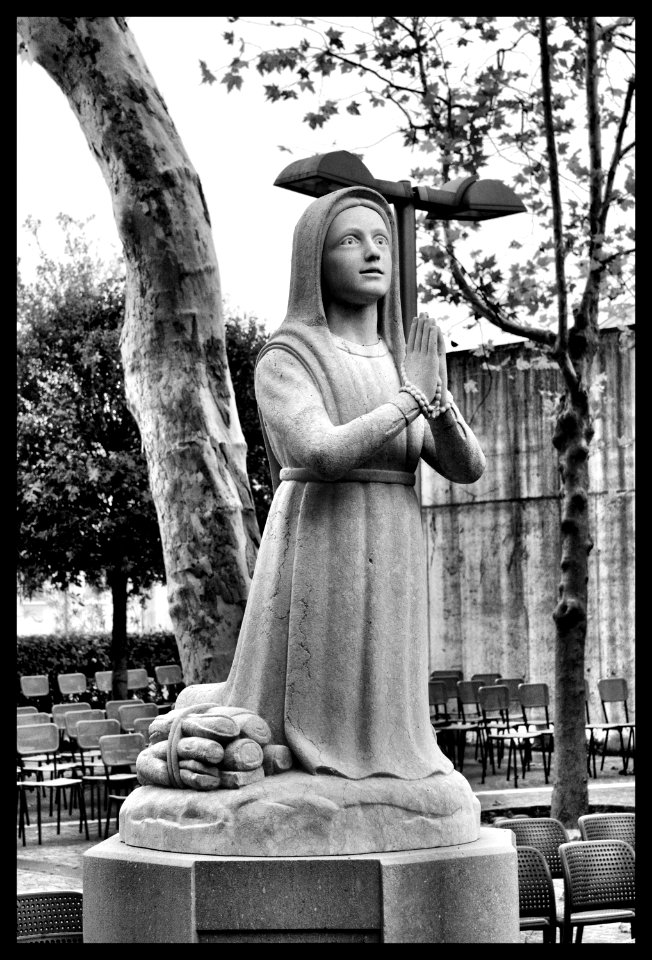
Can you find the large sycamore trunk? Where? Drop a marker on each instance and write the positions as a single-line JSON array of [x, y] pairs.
[[176, 374]]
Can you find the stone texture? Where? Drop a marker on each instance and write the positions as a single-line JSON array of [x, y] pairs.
[[297, 814], [455, 894]]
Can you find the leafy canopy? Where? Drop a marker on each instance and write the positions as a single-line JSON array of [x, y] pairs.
[[467, 91], [84, 504]]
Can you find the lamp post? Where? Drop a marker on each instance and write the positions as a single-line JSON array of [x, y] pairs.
[[466, 198]]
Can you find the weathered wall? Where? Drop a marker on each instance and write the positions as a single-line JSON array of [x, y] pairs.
[[493, 546]]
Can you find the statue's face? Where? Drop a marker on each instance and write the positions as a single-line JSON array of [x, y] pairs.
[[357, 257]]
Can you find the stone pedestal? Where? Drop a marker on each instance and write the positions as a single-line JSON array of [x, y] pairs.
[[467, 893]]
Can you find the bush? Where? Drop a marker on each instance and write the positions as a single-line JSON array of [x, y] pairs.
[[52, 654]]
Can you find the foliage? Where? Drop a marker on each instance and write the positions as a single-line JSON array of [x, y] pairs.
[[84, 504], [464, 91], [245, 338], [52, 654]]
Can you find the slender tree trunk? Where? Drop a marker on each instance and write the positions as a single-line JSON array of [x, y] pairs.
[[177, 379], [119, 646]]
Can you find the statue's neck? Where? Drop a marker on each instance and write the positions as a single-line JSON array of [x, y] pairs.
[[359, 324]]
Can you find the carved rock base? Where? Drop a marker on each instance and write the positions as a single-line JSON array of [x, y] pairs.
[[295, 814]]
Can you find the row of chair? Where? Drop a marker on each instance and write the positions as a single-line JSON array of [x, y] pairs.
[[521, 729], [598, 873], [73, 684], [99, 742]]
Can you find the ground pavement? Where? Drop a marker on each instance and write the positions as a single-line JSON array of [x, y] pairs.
[[57, 863]]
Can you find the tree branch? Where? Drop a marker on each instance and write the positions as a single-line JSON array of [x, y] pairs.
[[618, 154], [555, 195], [492, 312]]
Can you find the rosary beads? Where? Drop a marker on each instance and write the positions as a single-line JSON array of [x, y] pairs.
[[429, 410]]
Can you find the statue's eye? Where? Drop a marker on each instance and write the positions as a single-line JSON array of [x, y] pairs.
[[348, 241], [380, 239]]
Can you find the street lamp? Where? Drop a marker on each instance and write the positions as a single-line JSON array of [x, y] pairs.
[[466, 198]]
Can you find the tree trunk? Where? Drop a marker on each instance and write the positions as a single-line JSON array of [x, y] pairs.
[[177, 379], [119, 649], [572, 439]]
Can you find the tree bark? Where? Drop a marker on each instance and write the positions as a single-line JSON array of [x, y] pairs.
[[177, 379], [572, 438], [119, 646]]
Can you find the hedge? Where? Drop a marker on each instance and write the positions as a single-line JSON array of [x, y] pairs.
[[51, 654]]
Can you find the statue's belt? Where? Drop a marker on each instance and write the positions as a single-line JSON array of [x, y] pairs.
[[353, 476]]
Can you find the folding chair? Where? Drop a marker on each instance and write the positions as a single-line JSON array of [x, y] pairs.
[[535, 697], [71, 684], [485, 679], [170, 680], [52, 917], [613, 690], [59, 711], [468, 722], [128, 712], [72, 718], [23, 719], [545, 834], [599, 885], [38, 741], [112, 707], [537, 905], [137, 679], [608, 826], [142, 725], [88, 741], [35, 687], [512, 684], [119, 754]]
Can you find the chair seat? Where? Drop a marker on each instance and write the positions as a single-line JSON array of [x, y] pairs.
[[602, 916], [55, 782]]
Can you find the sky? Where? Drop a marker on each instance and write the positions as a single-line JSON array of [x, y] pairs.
[[233, 143]]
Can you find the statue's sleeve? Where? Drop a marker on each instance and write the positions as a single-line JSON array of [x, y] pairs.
[[299, 426], [451, 448]]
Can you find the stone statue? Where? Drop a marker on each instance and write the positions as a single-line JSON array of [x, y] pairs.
[[332, 654]]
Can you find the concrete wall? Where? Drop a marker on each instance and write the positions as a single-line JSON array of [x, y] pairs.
[[493, 546]]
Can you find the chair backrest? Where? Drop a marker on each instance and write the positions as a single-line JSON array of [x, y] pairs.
[[22, 719], [168, 675], [23, 710], [59, 711], [486, 678], [112, 707], [104, 680], [533, 697], [74, 717], [536, 891], [512, 684], [442, 674], [468, 703], [598, 875], [142, 725], [137, 679], [70, 683], [35, 686], [608, 826], [37, 738], [121, 749], [543, 833], [494, 701], [613, 690], [128, 712], [437, 695], [90, 731], [52, 917]]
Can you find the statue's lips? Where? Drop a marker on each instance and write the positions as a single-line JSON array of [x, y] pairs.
[[372, 273]]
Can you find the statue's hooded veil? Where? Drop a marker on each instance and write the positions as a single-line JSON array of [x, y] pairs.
[[304, 332]]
